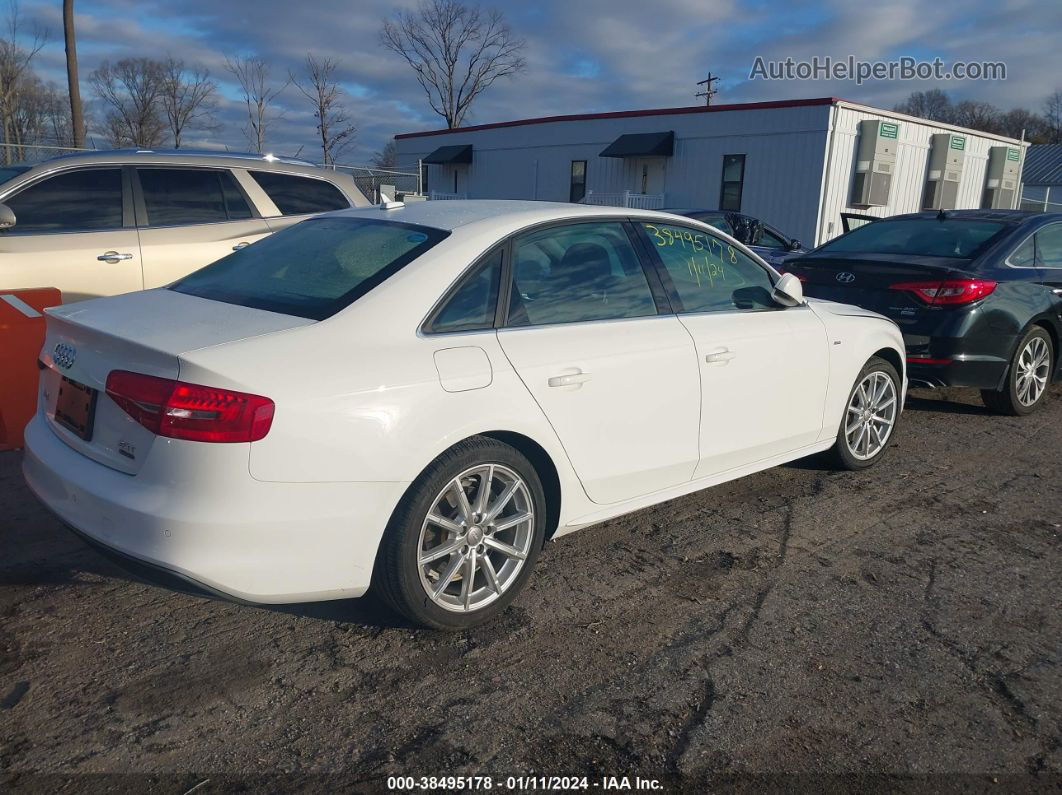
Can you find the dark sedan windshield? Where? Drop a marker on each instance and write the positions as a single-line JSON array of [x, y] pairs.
[[921, 237], [312, 269]]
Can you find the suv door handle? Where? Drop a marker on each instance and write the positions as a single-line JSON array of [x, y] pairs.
[[238, 246], [113, 256], [572, 379], [721, 356]]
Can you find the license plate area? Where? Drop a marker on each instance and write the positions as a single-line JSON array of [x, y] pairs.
[[75, 408]]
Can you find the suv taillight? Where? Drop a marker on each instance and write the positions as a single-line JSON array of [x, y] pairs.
[[951, 292], [190, 411]]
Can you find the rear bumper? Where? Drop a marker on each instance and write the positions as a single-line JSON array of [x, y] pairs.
[[238, 537], [978, 374]]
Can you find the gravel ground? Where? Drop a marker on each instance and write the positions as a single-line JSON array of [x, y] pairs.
[[894, 629]]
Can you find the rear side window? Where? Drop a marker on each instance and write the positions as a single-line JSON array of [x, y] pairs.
[[473, 305], [577, 273], [1049, 246], [922, 237], [312, 269], [86, 200], [707, 274], [183, 196], [300, 195]]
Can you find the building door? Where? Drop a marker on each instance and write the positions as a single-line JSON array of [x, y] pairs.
[[648, 175]]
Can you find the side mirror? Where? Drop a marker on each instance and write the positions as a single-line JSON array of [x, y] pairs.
[[795, 245], [788, 291], [7, 217]]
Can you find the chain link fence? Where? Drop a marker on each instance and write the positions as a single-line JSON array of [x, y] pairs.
[[32, 154], [369, 179]]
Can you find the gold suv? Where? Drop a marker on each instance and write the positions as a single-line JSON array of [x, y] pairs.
[[95, 224]]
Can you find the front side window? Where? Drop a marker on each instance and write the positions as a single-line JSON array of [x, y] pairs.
[[185, 196], [1049, 246], [923, 237], [86, 200], [473, 305], [577, 273], [732, 183], [295, 195], [577, 190], [708, 274], [312, 269], [769, 239]]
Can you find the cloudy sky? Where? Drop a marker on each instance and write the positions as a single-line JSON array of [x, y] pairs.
[[582, 55]]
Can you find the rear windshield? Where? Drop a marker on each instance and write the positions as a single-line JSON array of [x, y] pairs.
[[312, 269], [922, 237]]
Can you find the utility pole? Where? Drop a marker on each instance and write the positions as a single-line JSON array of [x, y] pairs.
[[708, 92], [77, 121]]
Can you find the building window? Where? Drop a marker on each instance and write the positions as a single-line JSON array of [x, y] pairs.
[[733, 179], [577, 191]]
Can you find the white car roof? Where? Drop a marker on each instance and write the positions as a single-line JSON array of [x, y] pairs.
[[451, 214]]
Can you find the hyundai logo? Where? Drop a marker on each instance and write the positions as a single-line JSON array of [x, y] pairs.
[[64, 355], [846, 277]]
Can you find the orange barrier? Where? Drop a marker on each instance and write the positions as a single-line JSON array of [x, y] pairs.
[[21, 338]]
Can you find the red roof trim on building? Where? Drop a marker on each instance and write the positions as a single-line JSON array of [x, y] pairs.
[[626, 114]]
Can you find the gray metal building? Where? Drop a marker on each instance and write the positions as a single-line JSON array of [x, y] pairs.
[[1042, 179], [797, 164]]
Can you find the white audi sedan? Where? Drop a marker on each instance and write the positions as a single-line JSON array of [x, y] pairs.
[[415, 398]]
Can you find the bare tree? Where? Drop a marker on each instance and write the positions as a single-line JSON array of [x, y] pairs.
[[387, 157], [1053, 117], [77, 116], [933, 105], [15, 61], [252, 73], [131, 90], [1015, 122], [981, 116], [187, 98], [323, 92], [457, 52]]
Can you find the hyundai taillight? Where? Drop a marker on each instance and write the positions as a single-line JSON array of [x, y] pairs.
[[950, 292], [190, 411]]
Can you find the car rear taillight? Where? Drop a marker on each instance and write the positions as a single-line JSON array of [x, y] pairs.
[[190, 411], [951, 292]]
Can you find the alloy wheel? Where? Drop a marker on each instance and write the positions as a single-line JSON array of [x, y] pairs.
[[871, 415], [1034, 367], [475, 538]]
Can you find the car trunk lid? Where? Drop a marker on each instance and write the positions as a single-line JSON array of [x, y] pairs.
[[867, 280], [144, 332]]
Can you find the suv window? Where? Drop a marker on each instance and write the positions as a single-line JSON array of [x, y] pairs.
[[184, 196], [577, 273], [473, 305], [85, 200], [708, 274], [300, 195], [312, 269]]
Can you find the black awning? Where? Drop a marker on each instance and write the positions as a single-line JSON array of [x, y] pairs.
[[450, 155], [658, 144]]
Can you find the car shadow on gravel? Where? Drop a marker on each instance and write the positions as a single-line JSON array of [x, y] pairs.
[[947, 401]]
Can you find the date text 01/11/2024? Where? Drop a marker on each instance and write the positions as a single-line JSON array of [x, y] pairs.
[[522, 783]]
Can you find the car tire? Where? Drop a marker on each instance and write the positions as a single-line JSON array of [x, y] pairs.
[[872, 408], [1028, 376], [433, 536]]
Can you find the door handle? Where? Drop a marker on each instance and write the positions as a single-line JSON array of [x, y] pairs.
[[572, 379], [238, 246], [721, 356], [113, 256]]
